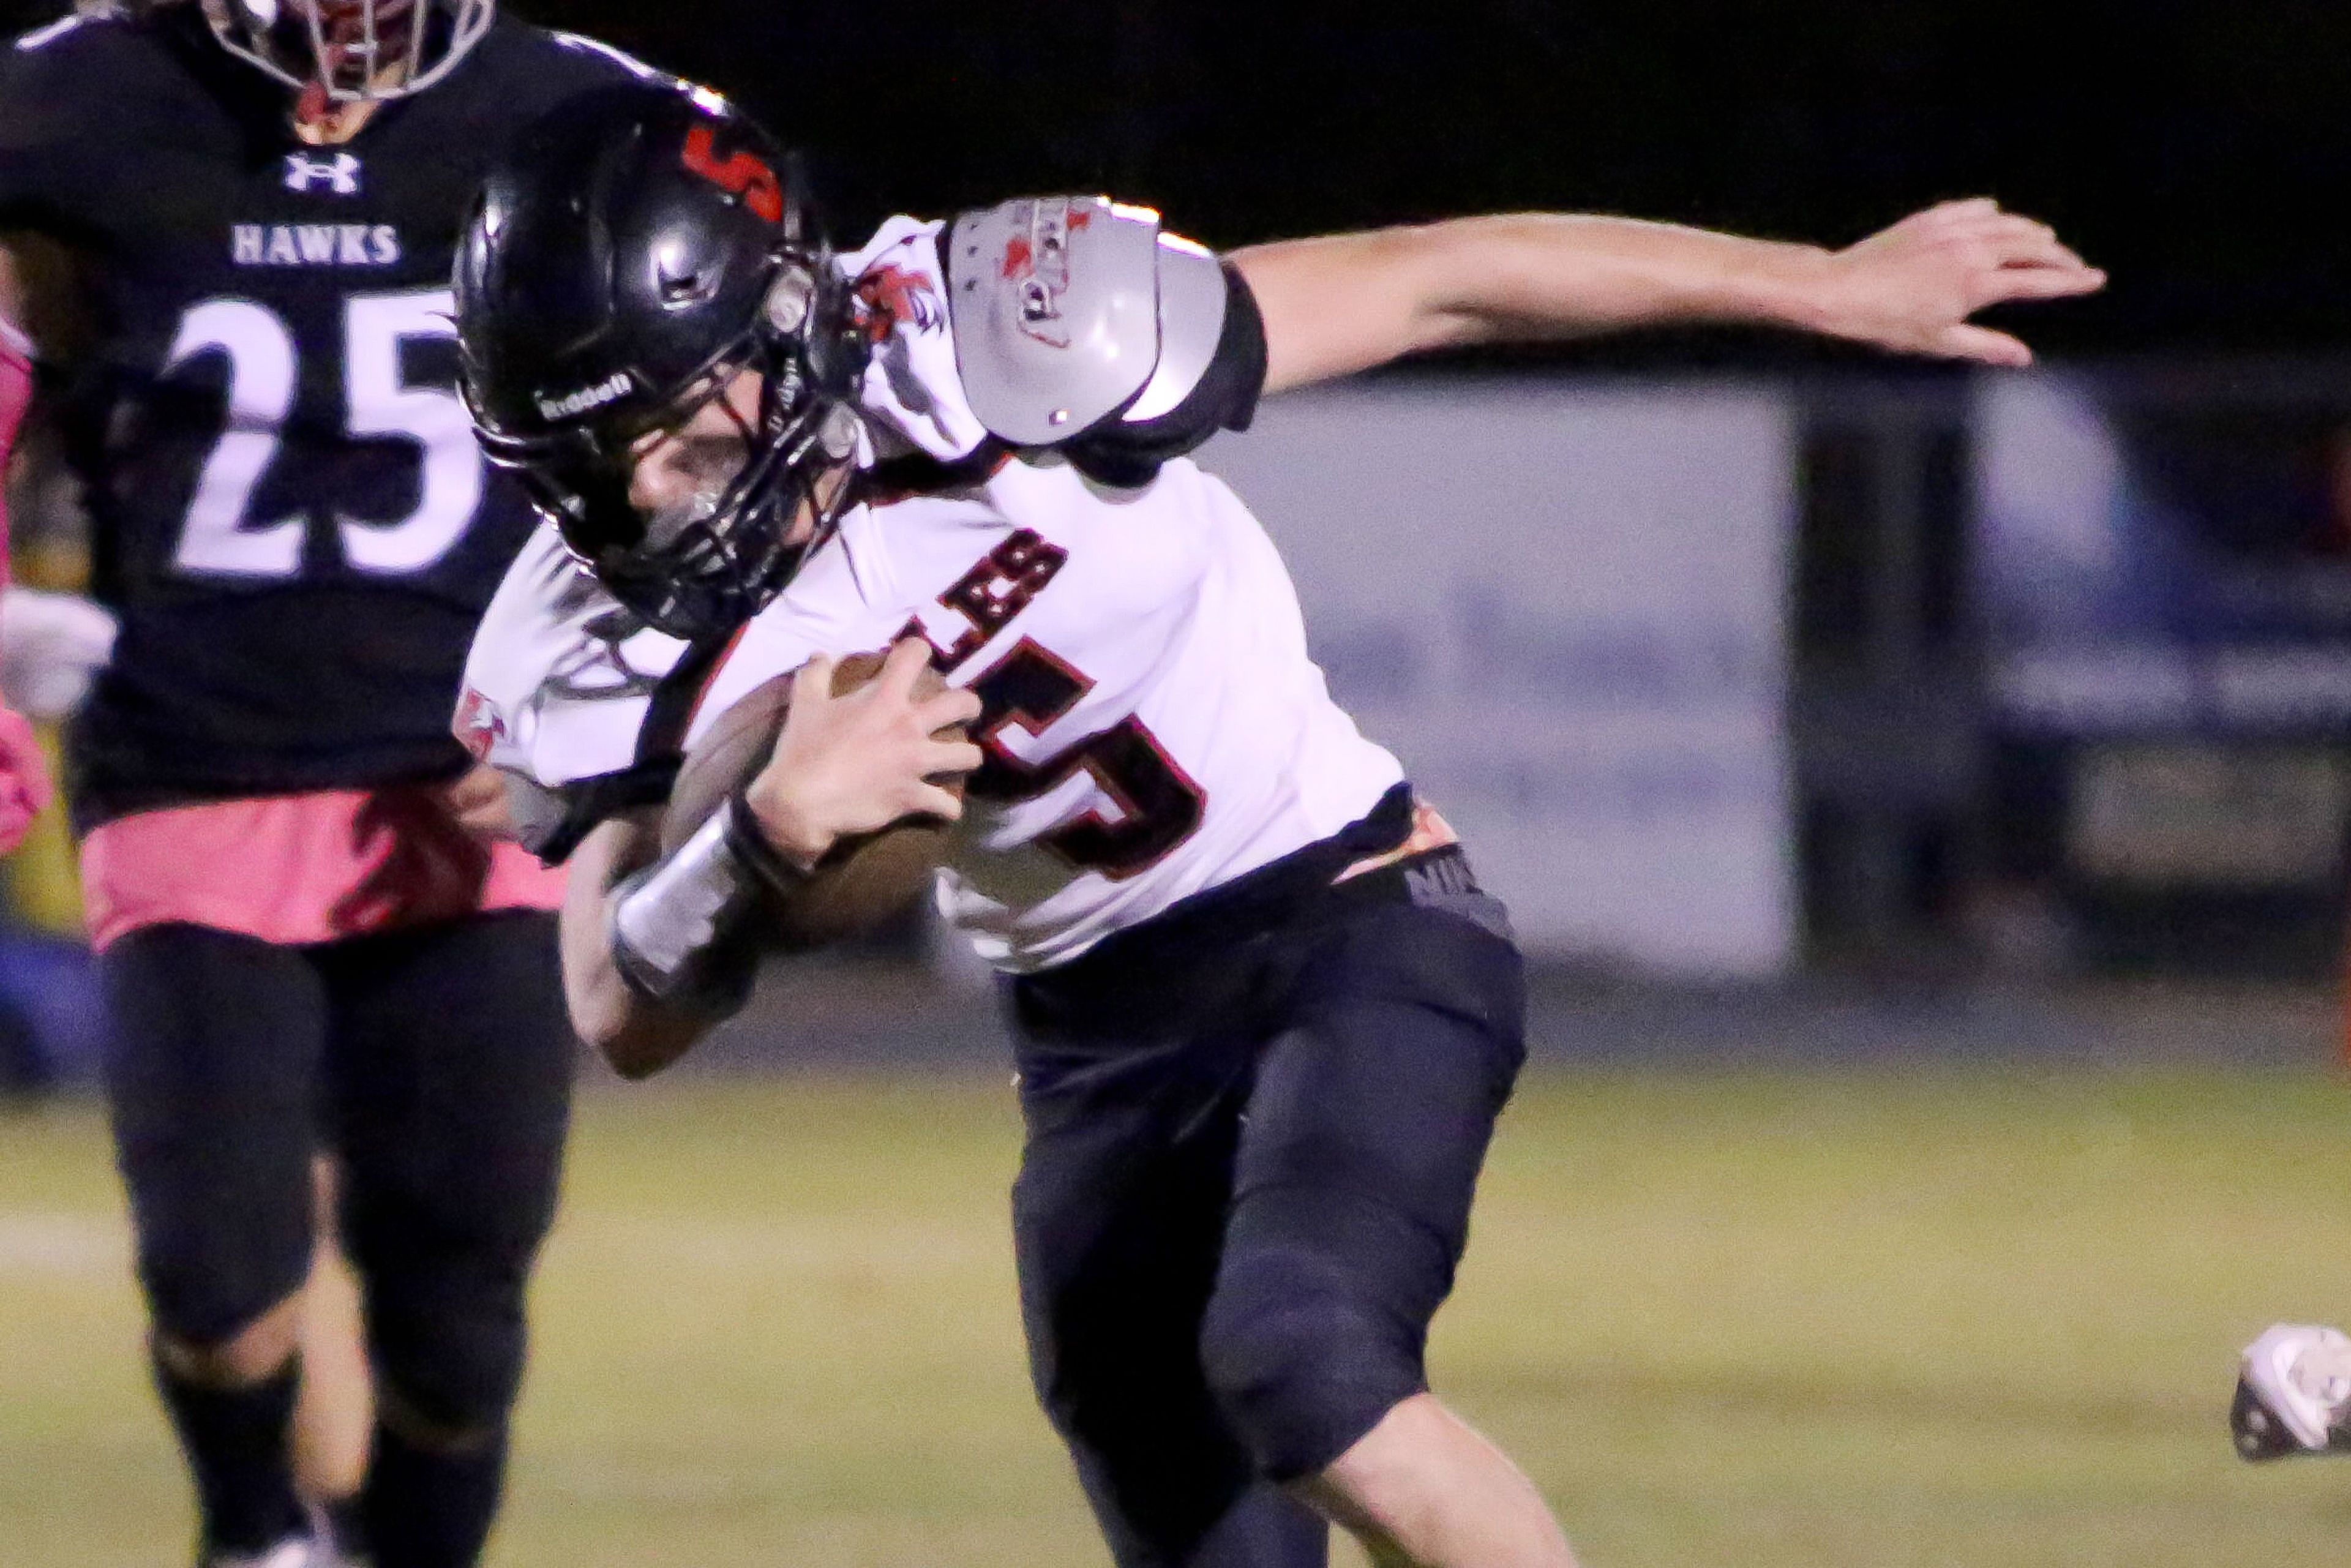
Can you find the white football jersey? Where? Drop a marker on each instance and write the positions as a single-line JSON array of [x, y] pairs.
[[1153, 725]]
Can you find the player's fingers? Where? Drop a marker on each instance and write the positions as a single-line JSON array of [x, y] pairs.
[[2038, 283], [2005, 244], [2033, 248], [907, 660], [956, 705], [932, 801], [2007, 234], [1985, 347], [951, 756]]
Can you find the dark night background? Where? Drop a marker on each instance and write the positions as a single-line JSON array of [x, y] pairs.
[[2198, 149]]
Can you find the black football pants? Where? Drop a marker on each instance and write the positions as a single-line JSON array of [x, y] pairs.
[[1252, 1141], [435, 1061]]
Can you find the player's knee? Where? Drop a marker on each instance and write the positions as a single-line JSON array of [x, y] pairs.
[[1300, 1362], [253, 1352], [207, 1286], [449, 1360]]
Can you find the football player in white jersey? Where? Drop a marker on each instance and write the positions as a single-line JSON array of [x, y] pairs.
[[1264, 1017]]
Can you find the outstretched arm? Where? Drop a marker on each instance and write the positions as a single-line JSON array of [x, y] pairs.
[[1344, 303]]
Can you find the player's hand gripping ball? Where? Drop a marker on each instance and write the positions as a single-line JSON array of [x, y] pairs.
[[884, 796]]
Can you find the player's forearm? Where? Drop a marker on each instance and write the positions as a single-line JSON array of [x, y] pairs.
[[1549, 274], [637, 1037], [636, 1034], [1344, 303]]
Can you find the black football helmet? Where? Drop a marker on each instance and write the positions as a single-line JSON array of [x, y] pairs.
[[640, 247], [348, 49]]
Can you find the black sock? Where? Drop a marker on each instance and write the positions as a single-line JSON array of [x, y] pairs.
[[346, 1518], [235, 1444], [423, 1509]]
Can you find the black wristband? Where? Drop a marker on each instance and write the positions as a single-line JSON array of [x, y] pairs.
[[751, 845]]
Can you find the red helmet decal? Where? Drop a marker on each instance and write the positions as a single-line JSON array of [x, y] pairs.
[[744, 174]]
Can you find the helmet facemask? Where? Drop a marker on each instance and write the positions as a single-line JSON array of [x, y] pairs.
[[705, 566], [344, 51]]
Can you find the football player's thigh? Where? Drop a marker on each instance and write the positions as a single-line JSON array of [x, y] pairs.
[[449, 1066], [1117, 1215], [213, 1046], [1365, 1132], [450, 1062]]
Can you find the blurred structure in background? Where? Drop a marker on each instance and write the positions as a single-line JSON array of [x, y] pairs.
[[1564, 608], [2162, 577]]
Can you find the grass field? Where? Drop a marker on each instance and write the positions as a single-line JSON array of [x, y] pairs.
[[1755, 1322]]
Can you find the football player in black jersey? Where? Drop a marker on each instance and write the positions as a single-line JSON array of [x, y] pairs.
[[255, 204]]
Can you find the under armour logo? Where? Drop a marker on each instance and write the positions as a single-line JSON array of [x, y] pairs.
[[342, 171]]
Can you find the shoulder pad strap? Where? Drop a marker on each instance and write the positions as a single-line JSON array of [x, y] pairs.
[[550, 824], [1055, 305]]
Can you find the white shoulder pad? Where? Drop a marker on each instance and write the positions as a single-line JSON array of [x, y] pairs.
[[1068, 309]]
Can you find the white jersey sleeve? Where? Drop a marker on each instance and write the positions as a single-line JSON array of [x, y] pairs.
[[559, 684]]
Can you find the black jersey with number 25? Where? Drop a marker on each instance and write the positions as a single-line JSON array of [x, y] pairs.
[[292, 516]]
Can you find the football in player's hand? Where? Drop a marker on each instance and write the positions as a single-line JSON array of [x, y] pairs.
[[862, 881]]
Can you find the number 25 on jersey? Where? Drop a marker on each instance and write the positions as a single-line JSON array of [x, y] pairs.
[[218, 538]]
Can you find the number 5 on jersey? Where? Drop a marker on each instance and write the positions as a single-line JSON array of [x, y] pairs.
[[217, 536], [1156, 805]]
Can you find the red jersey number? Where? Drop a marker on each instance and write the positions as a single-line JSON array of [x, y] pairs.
[[1159, 805]]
